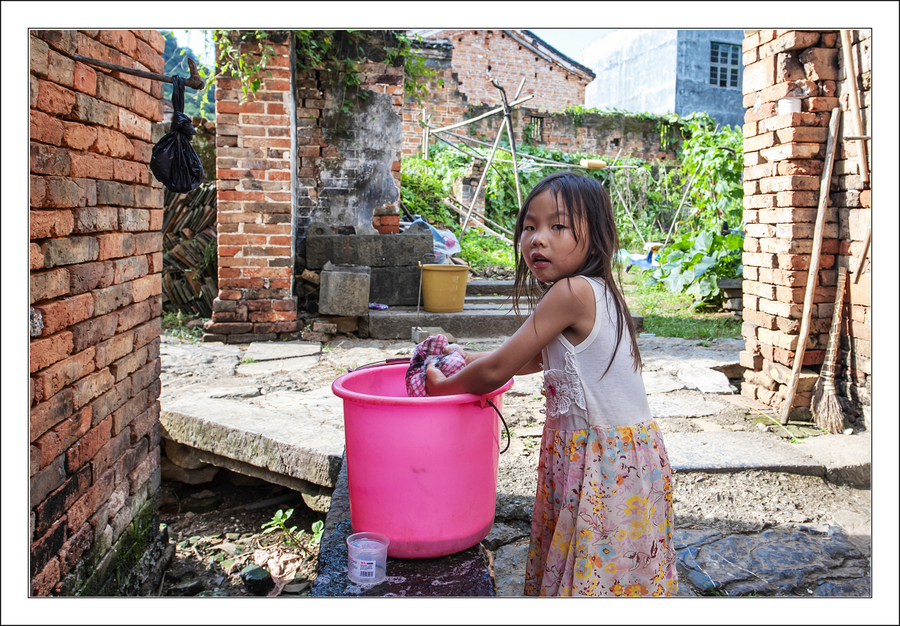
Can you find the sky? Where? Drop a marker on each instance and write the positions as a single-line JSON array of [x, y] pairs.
[[570, 41]]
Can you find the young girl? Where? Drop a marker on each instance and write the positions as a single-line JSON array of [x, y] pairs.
[[603, 519]]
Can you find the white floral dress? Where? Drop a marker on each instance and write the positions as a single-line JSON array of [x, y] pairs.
[[603, 523]]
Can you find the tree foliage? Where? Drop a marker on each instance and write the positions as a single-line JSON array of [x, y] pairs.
[[198, 102]]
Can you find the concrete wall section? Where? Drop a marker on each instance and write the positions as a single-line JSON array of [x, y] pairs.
[[693, 91], [636, 70], [348, 172]]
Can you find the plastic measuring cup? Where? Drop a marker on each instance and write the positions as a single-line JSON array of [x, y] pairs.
[[367, 558]]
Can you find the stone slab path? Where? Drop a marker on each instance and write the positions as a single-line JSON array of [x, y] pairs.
[[268, 408]]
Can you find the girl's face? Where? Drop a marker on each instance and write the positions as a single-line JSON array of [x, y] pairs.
[[548, 240]]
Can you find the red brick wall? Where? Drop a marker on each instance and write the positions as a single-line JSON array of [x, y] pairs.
[[554, 88], [467, 92], [784, 157], [253, 167], [466, 81], [258, 234], [95, 295]]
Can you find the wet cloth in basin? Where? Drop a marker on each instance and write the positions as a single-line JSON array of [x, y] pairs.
[[431, 351]]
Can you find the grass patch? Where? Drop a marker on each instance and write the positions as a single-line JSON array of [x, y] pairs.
[[668, 314]]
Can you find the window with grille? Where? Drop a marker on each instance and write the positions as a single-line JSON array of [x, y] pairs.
[[536, 128], [724, 62]]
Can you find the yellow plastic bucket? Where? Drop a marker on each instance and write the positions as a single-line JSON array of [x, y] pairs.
[[444, 287]]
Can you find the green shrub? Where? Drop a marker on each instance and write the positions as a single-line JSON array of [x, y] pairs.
[[694, 263]]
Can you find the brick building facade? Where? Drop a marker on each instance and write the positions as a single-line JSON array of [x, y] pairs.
[[467, 60], [95, 296], [784, 157]]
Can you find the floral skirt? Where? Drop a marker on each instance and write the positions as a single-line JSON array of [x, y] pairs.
[[603, 522]]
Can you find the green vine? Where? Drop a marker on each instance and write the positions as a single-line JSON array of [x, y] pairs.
[[341, 54]]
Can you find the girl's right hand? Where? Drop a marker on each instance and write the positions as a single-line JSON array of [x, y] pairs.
[[468, 356]]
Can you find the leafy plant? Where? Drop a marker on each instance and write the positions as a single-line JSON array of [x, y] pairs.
[[668, 314], [318, 528], [340, 53], [279, 522], [175, 325], [693, 264], [714, 158], [176, 61], [484, 250]]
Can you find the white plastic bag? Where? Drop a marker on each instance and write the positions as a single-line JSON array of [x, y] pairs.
[[445, 243]]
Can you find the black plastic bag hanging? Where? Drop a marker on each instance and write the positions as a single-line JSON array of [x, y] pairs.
[[174, 161]]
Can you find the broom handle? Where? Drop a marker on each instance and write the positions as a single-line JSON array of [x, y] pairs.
[[834, 336], [824, 187]]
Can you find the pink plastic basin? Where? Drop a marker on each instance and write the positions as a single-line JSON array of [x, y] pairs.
[[422, 471]]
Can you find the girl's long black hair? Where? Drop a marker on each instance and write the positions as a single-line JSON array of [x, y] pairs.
[[589, 209]]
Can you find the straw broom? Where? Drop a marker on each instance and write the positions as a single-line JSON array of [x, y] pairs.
[[825, 408]]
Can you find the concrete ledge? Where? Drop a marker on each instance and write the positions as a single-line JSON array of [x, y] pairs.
[[304, 444], [736, 452], [316, 497], [847, 458], [464, 574]]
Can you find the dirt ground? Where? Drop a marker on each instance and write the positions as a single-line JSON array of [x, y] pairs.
[[212, 547]]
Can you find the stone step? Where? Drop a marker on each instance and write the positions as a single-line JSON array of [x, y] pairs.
[[489, 287], [475, 320], [482, 316]]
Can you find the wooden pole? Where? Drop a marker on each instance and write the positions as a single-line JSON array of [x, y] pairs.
[[862, 258], [853, 97], [481, 117], [481, 180], [194, 82], [812, 280]]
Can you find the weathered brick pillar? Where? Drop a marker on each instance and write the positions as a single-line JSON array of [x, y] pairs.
[[784, 158], [348, 165], [254, 233], [95, 294], [464, 189]]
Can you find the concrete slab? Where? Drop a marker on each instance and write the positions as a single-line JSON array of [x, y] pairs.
[[682, 406], [847, 458], [239, 392], [672, 353], [270, 367], [705, 380], [490, 287], [718, 451], [660, 381], [271, 350], [301, 437]]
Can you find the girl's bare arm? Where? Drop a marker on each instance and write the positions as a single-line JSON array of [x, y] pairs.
[[563, 306]]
